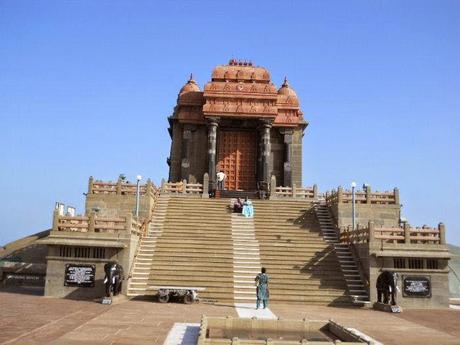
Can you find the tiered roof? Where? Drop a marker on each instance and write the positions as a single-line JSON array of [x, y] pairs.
[[239, 90]]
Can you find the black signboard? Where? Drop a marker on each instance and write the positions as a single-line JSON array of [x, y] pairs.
[[79, 275], [416, 286]]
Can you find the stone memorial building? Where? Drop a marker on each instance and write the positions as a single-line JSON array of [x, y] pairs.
[[242, 124]]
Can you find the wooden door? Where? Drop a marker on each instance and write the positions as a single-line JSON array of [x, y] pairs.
[[237, 159]]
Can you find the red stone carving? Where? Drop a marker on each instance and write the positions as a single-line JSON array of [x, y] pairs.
[[239, 89]]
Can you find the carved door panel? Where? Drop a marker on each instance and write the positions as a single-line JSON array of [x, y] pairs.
[[237, 159]]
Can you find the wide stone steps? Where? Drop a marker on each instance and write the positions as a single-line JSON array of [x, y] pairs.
[[295, 254], [199, 242]]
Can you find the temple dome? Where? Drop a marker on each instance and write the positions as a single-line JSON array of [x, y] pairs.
[[240, 71], [190, 86], [286, 90]]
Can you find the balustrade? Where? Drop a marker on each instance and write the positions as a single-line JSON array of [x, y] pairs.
[[402, 235]]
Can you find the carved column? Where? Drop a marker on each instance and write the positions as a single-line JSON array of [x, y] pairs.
[[213, 123], [185, 162], [287, 171], [265, 152]]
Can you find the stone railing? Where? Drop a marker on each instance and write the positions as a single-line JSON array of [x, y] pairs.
[[94, 224], [292, 192], [296, 192], [182, 188], [363, 197], [120, 187], [405, 235]]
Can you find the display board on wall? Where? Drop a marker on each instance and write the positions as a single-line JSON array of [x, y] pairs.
[[417, 286], [80, 275]]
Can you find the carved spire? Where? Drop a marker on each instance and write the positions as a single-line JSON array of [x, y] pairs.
[[285, 83]]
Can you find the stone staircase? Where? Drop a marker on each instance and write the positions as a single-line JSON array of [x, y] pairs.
[[194, 249], [355, 285], [246, 258], [196, 242], [302, 266], [138, 282]]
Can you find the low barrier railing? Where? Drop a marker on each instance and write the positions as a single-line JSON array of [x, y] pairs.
[[93, 223], [121, 187], [363, 197], [406, 235], [296, 192], [182, 187]]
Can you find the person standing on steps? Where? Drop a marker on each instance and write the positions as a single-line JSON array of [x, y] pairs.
[[221, 180], [248, 209], [262, 288]]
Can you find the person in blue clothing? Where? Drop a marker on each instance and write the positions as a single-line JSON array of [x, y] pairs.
[[262, 288], [248, 209]]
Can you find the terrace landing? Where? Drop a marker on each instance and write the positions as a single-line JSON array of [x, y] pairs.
[[28, 319]]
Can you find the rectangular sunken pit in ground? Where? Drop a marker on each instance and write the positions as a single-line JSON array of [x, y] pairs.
[[243, 331]]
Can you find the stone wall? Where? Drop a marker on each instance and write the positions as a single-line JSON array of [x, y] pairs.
[[381, 215], [439, 284], [55, 275], [277, 156], [296, 161], [55, 272], [198, 155], [176, 151], [114, 205]]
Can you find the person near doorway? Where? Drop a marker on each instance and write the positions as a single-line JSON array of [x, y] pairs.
[[221, 180], [248, 209], [262, 288]]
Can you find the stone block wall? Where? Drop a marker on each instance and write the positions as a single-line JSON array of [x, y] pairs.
[[381, 215], [55, 275], [296, 161], [175, 153], [114, 205], [439, 284]]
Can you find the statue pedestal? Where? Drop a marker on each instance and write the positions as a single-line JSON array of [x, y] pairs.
[[387, 307], [106, 300]]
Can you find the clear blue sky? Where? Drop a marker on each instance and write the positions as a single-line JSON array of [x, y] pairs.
[[86, 88]]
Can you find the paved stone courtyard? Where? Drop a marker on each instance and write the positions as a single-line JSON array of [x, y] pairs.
[[29, 319]]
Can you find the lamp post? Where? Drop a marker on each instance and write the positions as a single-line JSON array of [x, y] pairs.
[[353, 210], [138, 179]]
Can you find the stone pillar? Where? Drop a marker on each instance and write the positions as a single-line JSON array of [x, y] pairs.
[[56, 220], [213, 123], [273, 187], [442, 233], [396, 195], [185, 161], [91, 222], [90, 185], [368, 195], [406, 233], [340, 194], [265, 152], [205, 194], [287, 158], [119, 183]]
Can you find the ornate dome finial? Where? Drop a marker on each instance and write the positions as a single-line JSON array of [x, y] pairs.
[[190, 86], [285, 83]]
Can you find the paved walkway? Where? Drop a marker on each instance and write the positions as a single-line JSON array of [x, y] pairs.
[[248, 310], [34, 320]]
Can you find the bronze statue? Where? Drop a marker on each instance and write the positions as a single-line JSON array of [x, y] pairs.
[[113, 278], [386, 286]]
